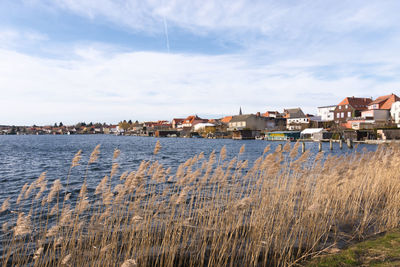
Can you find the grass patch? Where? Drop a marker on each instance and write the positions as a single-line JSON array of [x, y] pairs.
[[378, 251]]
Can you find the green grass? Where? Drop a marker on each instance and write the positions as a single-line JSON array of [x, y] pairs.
[[379, 251]]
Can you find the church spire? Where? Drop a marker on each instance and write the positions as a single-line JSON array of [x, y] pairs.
[[240, 111]]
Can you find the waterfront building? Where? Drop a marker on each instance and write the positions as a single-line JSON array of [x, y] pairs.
[[295, 119], [248, 121], [326, 112], [379, 109], [350, 107], [395, 112], [177, 123]]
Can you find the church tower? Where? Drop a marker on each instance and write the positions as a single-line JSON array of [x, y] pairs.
[[240, 111]]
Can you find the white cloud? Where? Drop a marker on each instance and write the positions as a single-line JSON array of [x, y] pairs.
[[148, 85], [303, 53], [11, 37], [285, 18]]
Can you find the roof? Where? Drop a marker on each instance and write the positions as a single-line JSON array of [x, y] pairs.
[[358, 103], [191, 119], [241, 117], [331, 106], [294, 113], [312, 130], [226, 119], [386, 101]]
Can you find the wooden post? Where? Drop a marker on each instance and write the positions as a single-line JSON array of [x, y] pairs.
[[349, 143], [341, 143], [303, 147], [330, 144], [319, 146]]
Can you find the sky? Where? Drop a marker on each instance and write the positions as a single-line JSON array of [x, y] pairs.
[[109, 60]]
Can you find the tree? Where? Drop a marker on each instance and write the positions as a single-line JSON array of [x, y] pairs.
[[124, 125], [55, 124], [61, 124]]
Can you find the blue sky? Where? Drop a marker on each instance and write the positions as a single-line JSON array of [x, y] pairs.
[[109, 60]]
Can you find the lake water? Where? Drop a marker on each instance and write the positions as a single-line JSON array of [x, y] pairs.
[[24, 158]]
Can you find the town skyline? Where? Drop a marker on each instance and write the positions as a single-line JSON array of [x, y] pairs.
[[203, 115]]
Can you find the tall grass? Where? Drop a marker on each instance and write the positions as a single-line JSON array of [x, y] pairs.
[[276, 211]]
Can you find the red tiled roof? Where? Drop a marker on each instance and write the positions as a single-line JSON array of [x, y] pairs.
[[191, 119], [226, 119], [386, 101], [358, 103]]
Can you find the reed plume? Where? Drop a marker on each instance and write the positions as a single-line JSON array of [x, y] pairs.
[[76, 159], [157, 148], [116, 153], [5, 206], [23, 226], [94, 155]]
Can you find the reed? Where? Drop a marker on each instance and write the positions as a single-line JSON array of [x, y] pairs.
[[276, 211]]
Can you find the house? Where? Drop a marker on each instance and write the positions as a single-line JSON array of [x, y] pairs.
[[247, 126], [384, 102], [295, 119], [191, 121], [177, 123], [350, 107], [395, 112], [379, 109], [326, 112], [226, 119], [248, 121]]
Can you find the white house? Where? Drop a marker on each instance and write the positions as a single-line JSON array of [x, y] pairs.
[[395, 112], [326, 113], [295, 119]]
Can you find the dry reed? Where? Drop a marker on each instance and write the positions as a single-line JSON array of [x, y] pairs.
[[275, 211]]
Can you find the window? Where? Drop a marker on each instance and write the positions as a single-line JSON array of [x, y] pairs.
[[347, 106], [342, 114], [337, 115], [349, 114], [340, 107]]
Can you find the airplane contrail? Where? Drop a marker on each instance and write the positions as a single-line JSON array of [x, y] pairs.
[[166, 33]]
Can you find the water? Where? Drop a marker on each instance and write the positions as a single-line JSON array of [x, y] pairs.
[[24, 158]]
